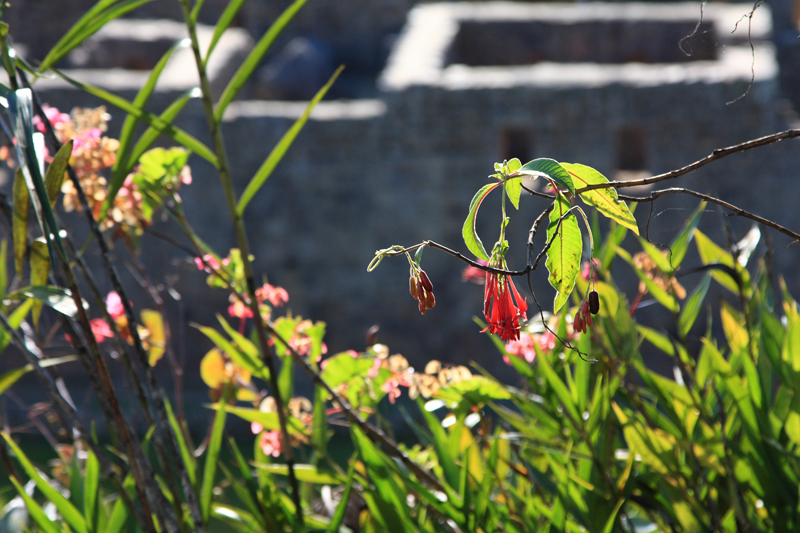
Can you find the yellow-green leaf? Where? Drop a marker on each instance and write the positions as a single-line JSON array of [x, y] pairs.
[[22, 204], [56, 173], [606, 201], [564, 256], [470, 234], [40, 267], [156, 339]]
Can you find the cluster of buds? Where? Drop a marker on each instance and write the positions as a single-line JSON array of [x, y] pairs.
[[435, 377], [583, 318], [421, 288]]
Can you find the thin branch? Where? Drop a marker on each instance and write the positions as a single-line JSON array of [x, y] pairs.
[[713, 156], [737, 211]]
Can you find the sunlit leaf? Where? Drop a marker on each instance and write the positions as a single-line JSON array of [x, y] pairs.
[[21, 206], [469, 232], [513, 188], [693, 305], [57, 172], [212, 456], [279, 150], [606, 201], [156, 339], [680, 245], [57, 298], [548, 168], [710, 253], [303, 472], [40, 268], [564, 255]]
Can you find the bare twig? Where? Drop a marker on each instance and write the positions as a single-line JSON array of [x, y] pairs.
[[713, 156]]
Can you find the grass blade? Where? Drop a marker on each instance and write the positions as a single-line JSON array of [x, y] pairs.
[[87, 26], [22, 204], [189, 460], [222, 24], [67, 511], [254, 58], [341, 509], [36, 512], [56, 173], [280, 149], [210, 469]]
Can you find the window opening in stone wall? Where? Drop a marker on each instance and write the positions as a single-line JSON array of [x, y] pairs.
[[631, 154], [515, 143]]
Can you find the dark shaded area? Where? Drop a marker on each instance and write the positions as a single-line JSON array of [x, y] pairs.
[[603, 41]]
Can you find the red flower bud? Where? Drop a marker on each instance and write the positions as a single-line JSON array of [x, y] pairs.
[[412, 287], [430, 300], [577, 323], [594, 302], [422, 306], [425, 281]]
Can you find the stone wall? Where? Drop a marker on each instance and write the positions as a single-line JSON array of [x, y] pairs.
[[402, 167]]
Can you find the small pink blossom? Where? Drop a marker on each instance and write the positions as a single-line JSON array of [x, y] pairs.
[[392, 389], [474, 274], [53, 115], [114, 305], [587, 272], [270, 443], [88, 140], [256, 428], [209, 260], [100, 329], [277, 296], [524, 347], [238, 309]]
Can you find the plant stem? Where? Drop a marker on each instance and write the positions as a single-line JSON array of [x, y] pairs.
[[241, 239]]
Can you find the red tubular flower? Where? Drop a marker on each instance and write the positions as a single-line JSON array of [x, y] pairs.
[[421, 288], [503, 307]]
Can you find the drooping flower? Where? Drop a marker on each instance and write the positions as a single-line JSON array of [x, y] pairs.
[[421, 288], [503, 306]]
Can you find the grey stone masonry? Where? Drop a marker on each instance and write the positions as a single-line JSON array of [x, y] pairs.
[[468, 84]]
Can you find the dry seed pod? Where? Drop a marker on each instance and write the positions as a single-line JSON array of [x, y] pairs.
[[594, 302]]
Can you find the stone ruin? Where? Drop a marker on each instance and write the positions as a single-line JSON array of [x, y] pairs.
[[630, 89]]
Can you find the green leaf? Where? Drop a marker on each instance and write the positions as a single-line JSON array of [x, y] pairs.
[[67, 511], [90, 491], [7, 379], [612, 518], [559, 388], [189, 461], [59, 299], [3, 266], [97, 17], [693, 305], [319, 432], [513, 187], [241, 342], [254, 366], [606, 201], [22, 202], [659, 258], [341, 509], [657, 339], [222, 24], [36, 512], [303, 472], [551, 169], [14, 319], [253, 59], [279, 150], [681, 243], [212, 456], [268, 420], [710, 253], [122, 168], [564, 256], [173, 132], [56, 173], [40, 268], [389, 497], [470, 234], [344, 367]]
